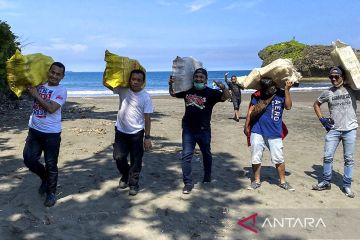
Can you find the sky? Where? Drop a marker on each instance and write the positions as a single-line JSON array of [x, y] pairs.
[[222, 34]]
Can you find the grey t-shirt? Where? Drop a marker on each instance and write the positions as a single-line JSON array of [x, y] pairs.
[[342, 106]]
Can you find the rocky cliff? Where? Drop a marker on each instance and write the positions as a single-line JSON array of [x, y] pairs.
[[309, 60]]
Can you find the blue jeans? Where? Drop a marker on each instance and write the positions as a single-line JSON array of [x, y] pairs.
[[123, 145], [189, 139], [36, 142], [332, 140]]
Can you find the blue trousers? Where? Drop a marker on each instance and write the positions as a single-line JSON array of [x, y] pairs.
[[189, 139], [49, 143]]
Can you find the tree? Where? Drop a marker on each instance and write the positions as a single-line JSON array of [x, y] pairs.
[[8, 46]]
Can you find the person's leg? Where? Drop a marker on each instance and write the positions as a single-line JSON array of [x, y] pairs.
[[120, 153], [277, 156], [332, 140], [237, 112], [188, 146], [203, 138], [51, 154], [236, 108], [32, 153], [257, 149], [348, 140], [256, 171], [136, 155]]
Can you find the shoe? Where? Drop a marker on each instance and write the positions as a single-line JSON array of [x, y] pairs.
[[42, 188], [321, 186], [123, 184], [50, 200], [187, 189], [254, 185], [348, 192], [133, 190], [287, 186], [206, 179]]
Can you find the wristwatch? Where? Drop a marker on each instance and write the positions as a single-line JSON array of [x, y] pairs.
[[147, 137]]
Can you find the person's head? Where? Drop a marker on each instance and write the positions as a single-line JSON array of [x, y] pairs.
[[200, 78], [268, 87], [136, 80], [336, 76], [56, 73], [233, 79]]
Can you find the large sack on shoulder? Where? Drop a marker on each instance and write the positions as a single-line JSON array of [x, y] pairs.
[[343, 55], [118, 69], [27, 70], [279, 70], [183, 69]]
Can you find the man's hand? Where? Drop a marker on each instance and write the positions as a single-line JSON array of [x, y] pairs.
[[171, 80], [33, 91], [288, 84], [328, 123], [147, 144], [220, 85]]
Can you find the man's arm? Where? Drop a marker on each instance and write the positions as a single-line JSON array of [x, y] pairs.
[[317, 109], [247, 121], [147, 138], [171, 90], [50, 107], [288, 100], [225, 92]]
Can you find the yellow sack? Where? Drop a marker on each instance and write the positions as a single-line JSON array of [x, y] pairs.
[[26, 70], [118, 69]]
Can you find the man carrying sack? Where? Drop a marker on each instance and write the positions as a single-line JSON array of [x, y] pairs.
[[264, 127]]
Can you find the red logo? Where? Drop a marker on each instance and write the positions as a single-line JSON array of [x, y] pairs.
[[59, 97], [249, 218]]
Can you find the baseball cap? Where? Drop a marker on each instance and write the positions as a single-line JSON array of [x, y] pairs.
[[335, 70]]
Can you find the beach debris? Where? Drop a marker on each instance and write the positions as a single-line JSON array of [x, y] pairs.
[[98, 131], [25, 70], [279, 70], [183, 69], [118, 69], [343, 55]]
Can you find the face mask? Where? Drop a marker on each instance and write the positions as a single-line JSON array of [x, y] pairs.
[[199, 86]]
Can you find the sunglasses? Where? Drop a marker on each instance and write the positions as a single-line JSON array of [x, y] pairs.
[[334, 76]]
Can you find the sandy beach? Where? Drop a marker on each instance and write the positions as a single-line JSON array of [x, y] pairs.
[[90, 205]]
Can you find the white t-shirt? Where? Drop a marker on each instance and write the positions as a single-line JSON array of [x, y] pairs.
[[42, 120], [130, 117], [122, 93]]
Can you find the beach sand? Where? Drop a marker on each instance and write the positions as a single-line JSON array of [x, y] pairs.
[[90, 205]]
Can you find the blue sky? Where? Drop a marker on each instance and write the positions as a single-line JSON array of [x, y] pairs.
[[223, 34]]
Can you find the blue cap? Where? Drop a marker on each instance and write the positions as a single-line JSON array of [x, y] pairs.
[[335, 70]]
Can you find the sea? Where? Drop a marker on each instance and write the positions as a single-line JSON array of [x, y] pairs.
[[89, 84]]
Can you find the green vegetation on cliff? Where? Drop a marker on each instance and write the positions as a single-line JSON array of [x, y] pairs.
[[290, 49]]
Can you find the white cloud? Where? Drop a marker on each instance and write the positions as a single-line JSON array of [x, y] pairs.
[[60, 44], [244, 4], [107, 42], [199, 4], [166, 2], [57, 44], [5, 4]]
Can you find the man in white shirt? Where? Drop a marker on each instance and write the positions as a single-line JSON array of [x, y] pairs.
[[132, 130], [45, 131]]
